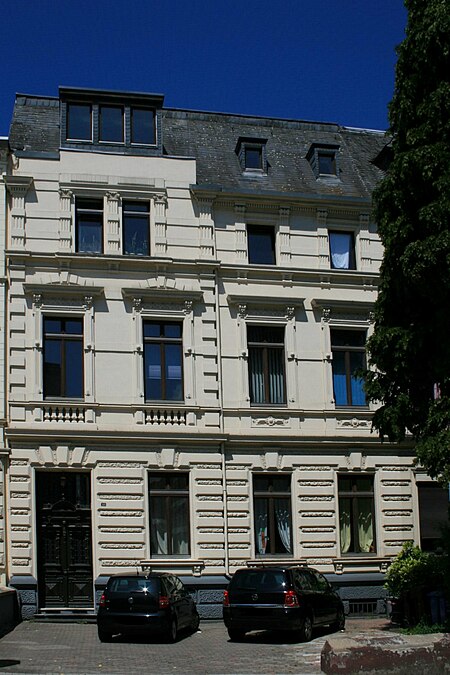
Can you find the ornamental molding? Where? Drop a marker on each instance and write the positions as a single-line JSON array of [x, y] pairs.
[[18, 185], [119, 513], [316, 498], [59, 292], [315, 483], [353, 423], [343, 309], [270, 421], [257, 305], [121, 465], [397, 498], [163, 293], [120, 530]]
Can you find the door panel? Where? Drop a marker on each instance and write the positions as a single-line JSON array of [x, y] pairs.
[[64, 542]]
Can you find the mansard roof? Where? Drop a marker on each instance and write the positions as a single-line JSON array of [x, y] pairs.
[[211, 138]]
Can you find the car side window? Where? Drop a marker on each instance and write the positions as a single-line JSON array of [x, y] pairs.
[[322, 583], [166, 586], [302, 580]]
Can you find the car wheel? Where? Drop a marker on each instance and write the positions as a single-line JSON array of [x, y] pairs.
[[173, 631], [104, 635], [195, 623], [339, 624], [235, 634], [306, 630]]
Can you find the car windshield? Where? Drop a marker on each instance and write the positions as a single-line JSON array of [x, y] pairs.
[[134, 585], [260, 580]]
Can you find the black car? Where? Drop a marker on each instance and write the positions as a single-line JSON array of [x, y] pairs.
[[152, 604], [292, 599]]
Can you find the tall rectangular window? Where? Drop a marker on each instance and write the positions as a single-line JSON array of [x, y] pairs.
[[266, 364], [89, 225], [79, 122], [136, 228], [272, 514], [143, 126], [261, 244], [63, 357], [434, 514], [356, 514], [342, 250], [349, 356], [169, 513], [163, 367], [111, 124]]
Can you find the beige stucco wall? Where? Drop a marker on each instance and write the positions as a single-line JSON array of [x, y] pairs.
[[198, 274]]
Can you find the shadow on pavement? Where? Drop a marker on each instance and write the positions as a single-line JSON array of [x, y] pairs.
[[4, 663], [281, 637], [145, 638]]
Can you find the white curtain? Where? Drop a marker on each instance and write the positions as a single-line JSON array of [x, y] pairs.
[[158, 527], [365, 525], [340, 250], [283, 518], [180, 526], [261, 525], [344, 525]]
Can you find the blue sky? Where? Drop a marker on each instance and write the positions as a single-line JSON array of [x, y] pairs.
[[322, 60]]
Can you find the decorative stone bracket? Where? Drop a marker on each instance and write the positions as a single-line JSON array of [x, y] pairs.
[[194, 566]]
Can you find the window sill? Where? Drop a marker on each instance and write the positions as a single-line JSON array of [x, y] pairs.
[[340, 406], [254, 173], [268, 406], [274, 561], [63, 399]]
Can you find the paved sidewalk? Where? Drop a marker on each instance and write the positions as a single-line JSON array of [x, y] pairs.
[[47, 648]]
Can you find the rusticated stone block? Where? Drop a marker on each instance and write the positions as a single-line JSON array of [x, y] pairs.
[[209, 596], [28, 598]]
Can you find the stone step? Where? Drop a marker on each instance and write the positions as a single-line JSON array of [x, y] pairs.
[[66, 616]]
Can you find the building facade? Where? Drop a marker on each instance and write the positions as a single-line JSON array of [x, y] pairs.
[[3, 451], [189, 296]]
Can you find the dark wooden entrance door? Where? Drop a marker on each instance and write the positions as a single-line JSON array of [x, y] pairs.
[[64, 539]]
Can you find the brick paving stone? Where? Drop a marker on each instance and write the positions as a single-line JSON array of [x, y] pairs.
[[74, 648]]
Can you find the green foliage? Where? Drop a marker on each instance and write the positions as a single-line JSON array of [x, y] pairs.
[[409, 352], [423, 628], [411, 570]]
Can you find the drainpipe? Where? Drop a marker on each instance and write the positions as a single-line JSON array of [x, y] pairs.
[[222, 444], [225, 512]]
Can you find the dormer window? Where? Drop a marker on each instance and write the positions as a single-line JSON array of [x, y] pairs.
[[111, 124], [252, 156], [142, 126], [324, 160], [96, 120], [79, 122]]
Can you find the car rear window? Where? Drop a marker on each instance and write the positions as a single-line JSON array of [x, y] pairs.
[[134, 585], [259, 580]]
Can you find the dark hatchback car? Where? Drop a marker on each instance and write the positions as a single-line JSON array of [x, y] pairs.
[[153, 604], [295, 599]]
